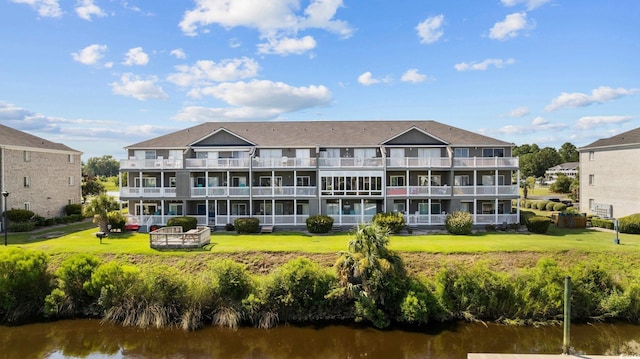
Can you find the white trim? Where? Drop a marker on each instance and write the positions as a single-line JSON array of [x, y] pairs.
[[39, 149]]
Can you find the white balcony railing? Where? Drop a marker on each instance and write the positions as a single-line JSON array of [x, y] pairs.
[[203, 163], [419, 191], [484, 162], [349, 162], [284, 162], [158, 163], [419, 162], [147, 192]]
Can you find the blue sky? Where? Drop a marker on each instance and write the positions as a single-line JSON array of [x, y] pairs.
[[98, 75]]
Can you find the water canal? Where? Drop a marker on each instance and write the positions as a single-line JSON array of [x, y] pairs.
[[91, 339]]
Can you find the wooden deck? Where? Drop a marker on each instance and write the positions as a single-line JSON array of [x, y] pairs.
[[173, 237], [536, 356]]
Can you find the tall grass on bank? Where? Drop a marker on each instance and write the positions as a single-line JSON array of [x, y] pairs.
[[301, 291]]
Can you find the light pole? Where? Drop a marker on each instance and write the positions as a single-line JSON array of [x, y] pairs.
[[5, 194]]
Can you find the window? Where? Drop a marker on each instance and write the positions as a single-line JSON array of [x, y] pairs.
[[71, 181], [238, 181], [330, 153], [424, 180], [303, 181], [592, 156], [71, 201], [270, 153], [592, 204], [266, 181], [172, 181], [461, 152], [303, 153], [364, 153], [461, 180], [27, 182], [27, 156], [489, 180], [146, 181], [397, 181], [397, 153], [398, 207], [428, 152], [145, 154], [27, 206], [175, 154], [70, 159], [592, 180], [239, 209], [493, 152], [175, 209]]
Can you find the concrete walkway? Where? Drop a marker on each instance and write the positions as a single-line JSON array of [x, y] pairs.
[[535, 356]]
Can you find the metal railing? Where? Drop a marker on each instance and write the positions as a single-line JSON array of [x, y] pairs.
[[419, 162]]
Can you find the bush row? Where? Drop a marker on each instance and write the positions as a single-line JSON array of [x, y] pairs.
[[300, 291], [22, 220], [629, 224], [543, 205]]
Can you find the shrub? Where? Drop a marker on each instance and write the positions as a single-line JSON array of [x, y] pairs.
[[420, 304], [559, 207], [602, 223], [21, 227], [24, 283], [459, 222], [539, 292], [630, 224], [528, 204], [319, 223], [49, 221], [541, 205], [538, 224], [247, 225], [229, 227], [187, 223], [550, 206], [19, 215], [117, 220], [71, 209], [39, 221], [392, 221], [74, 274], [525, 215]]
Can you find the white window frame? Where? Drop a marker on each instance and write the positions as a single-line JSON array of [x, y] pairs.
[[176, 208], [592, 180], [241, 180], [493, 151], [429, 152], [303, 181], [364, 153], [71, 181], [238, 209], [461, 152], [270, 153], [146, 181], [394, 181], [461, 180], [27, 206], [70, 158], [71, 201], [399, 206], [175, 154], [26, 182], [172, 182], [27, 156], [592, 155]]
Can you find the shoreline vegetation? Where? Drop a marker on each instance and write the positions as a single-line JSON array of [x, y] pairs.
[[365, 277]]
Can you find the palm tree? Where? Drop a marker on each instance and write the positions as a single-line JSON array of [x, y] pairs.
[[99, 208]]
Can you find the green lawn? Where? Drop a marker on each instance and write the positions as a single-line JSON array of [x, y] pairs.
[[557, 240]]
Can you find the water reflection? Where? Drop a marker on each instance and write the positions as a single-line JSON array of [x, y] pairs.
[[90, 339]]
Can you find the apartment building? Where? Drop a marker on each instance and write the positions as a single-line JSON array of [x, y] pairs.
[[39, 175], [609, 185], [569, 169], [284, 172]]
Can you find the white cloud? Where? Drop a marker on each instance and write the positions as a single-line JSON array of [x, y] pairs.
[[484, 65], [577, 99], [206, 114], [413, 75], [510, 27], [538, 124], [206, 72], [539, 121], [518, 112], [588, 122], [273, 19], [90, 55], [367, 79], [267, 95], [530, 4], [430, 29], [86, 9], [131, 85], [45, 8], [178, 53], [136, 56], [285, 46]]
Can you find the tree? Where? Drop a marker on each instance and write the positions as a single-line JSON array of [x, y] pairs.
[[91, 187], [371, 274], [534, 161], [101, 166], [569, 153], [528, 184], [562, 184], [99, 208]]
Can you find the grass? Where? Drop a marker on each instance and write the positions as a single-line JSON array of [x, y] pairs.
[[77, 238]]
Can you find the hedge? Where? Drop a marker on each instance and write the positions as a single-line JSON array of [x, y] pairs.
[[630, 224], [319, 223], [247, 225], [538, 224], [392, 221], [19, 215], [459, 222], [187, 223], [602, 223]]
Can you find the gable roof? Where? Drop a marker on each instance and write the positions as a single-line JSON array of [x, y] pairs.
[[16, 138], [303, 134], [628, 138], [565, 166]]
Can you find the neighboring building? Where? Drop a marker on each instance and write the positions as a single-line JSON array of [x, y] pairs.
[[609, 172], [284, 172], [40, 175], [569, 169]]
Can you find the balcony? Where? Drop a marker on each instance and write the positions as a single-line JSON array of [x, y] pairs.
[[284, 162], [419, 191], [286, 191], [419, 162], [510, 190], [158, 164], [350, 162], [486, 162], [147, 192], [217, 163]]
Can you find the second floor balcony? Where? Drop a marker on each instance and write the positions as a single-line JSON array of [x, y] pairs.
[[486, 162]]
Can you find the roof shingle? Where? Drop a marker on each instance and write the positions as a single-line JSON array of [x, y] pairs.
[[12, 137]]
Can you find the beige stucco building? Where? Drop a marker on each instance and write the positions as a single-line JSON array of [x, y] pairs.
[[610, 176], [40, 175]]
